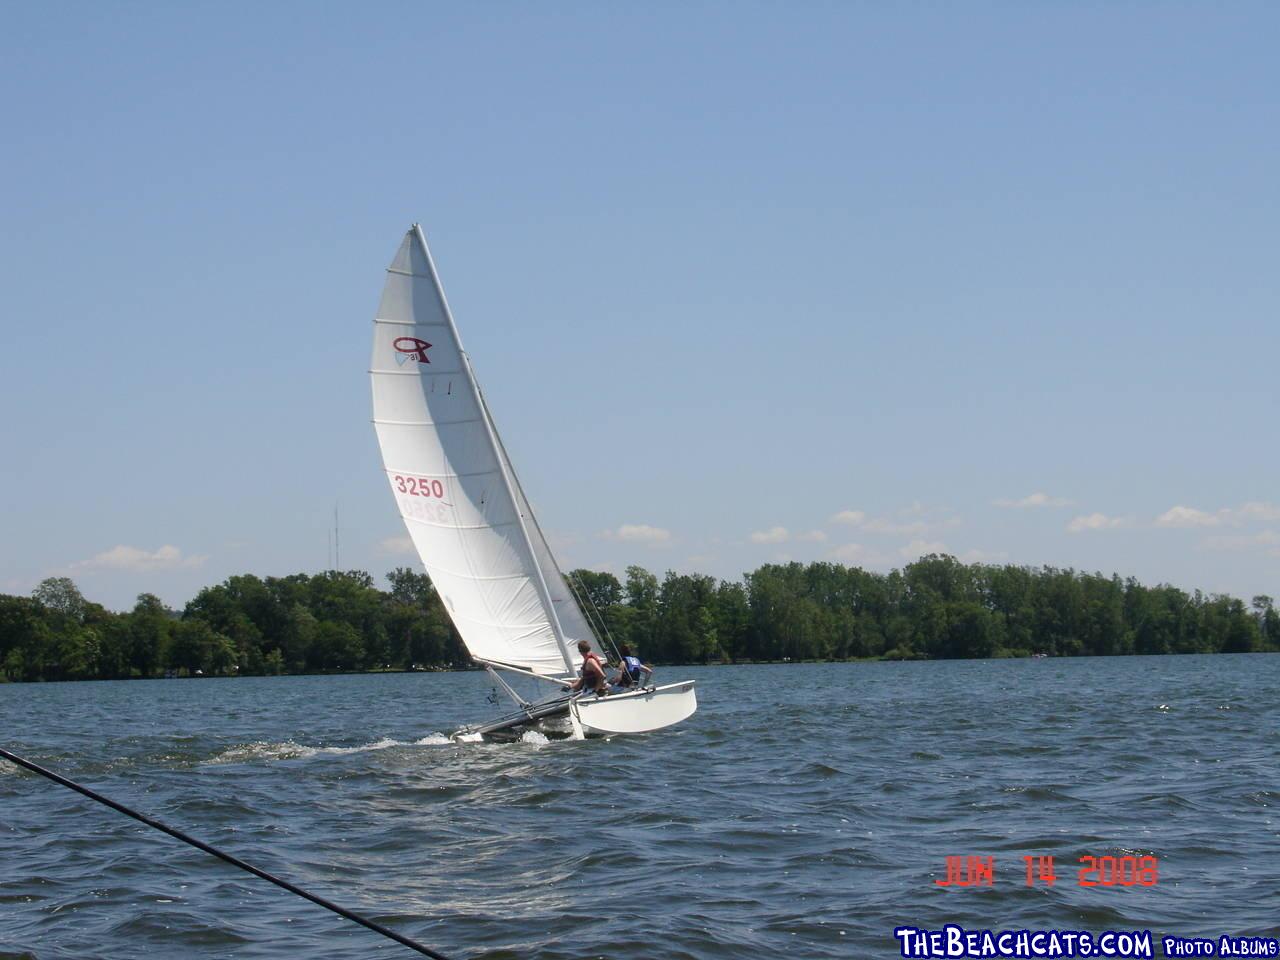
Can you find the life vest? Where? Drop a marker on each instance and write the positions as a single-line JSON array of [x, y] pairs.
[[587, 658], [633, 667]]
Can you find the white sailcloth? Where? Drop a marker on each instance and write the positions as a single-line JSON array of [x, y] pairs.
[[459, 498], [572, 620]]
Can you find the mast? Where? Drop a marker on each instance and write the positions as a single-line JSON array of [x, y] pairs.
[[508, 479]]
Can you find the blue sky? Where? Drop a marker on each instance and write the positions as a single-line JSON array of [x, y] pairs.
[[741, 281]]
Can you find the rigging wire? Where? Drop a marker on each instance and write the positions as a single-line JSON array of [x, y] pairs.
[[214, 851], [599, 616], [579, 591]]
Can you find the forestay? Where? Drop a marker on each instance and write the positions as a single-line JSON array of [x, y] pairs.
[[459, 498]]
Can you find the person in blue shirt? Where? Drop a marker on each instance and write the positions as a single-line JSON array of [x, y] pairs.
[[631, 670]]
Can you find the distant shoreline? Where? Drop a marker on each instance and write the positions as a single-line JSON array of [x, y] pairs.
[[935, 608], [662, 666]]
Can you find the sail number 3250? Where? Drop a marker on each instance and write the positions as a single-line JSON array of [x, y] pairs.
[[418, 486]]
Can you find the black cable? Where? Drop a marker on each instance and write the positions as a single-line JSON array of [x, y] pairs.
[[214, 851]]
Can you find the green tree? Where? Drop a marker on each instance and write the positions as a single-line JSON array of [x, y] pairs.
[[640, 628], [1268, 621], [62, 596], [971, 631], [337, 646], [298, 638], [732, 619], [148, 632], [25, 638], [599, 588], [193, 645]]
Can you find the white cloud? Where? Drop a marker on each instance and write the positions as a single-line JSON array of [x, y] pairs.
[[851, 517], [857, 555], [396, 545], [920, 548], [1095, 521], [639, 533], [772, 535], [562, 541], [983, 556], [1037, 499], [915, 528], [124, 557], [1257, 510], [1243, 542], [1188, 517], [782, 535]]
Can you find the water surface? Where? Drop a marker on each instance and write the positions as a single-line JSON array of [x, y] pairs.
[[804, 811]]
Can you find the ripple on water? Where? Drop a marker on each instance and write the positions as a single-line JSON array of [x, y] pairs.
[[804, 811], [292, 750]]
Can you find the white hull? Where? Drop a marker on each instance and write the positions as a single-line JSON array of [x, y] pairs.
[[640, 712]]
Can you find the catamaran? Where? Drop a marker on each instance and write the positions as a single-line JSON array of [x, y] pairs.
[[472, 526]]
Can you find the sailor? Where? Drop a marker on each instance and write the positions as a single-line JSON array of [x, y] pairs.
[[592, 675], [631, 671]]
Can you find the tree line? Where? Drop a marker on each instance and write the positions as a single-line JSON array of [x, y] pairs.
[[935, 608]]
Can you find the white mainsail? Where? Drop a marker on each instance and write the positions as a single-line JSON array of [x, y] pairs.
[[454, 485]]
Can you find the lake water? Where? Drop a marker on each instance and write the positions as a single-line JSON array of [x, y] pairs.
[[804, 811]]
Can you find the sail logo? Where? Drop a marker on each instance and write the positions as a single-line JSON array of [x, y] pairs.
[[410, 348]]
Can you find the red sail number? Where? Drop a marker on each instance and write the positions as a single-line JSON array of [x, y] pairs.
[[419, 486]]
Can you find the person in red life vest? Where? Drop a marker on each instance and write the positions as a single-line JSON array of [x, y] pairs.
[[592, 677]]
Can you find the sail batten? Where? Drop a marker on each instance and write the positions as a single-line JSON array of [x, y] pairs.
[[457, 493], [459, 526], [424, 423], [471, 576], [442, 476]]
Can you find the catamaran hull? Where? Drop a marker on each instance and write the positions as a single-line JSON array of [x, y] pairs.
[[640, 711]]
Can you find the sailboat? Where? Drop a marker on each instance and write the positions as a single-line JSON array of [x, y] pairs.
[[473, 529]]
